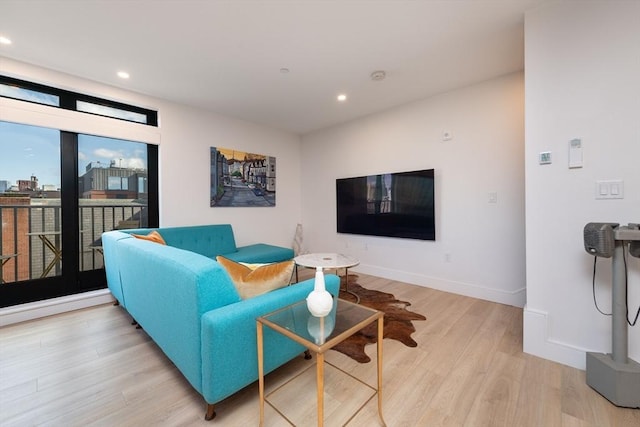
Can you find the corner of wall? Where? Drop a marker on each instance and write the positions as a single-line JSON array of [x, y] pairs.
[[536, 341]]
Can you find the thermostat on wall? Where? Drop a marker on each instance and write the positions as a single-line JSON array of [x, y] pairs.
[[544, 158]]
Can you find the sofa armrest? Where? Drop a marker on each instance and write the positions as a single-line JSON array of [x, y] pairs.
[[229, 344]]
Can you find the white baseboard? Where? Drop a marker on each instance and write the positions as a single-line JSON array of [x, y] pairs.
[[536, 341], [515, 298], [49, 307]]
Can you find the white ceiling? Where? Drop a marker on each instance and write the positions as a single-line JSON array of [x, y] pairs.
[[226, 56]]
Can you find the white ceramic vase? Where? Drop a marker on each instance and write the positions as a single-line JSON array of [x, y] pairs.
[[319, 301]]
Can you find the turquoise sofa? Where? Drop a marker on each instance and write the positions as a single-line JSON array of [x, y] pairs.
[[207, 240], [186, 302]]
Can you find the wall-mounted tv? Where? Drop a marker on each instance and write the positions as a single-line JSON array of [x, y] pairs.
[[391, 204]]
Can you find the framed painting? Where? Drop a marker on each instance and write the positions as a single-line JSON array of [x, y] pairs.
[[240, 179]]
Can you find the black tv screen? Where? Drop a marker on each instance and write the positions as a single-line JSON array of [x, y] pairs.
[[392, 205]]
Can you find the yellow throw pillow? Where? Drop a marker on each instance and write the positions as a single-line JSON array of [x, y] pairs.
[[154, 236], [251, 282]]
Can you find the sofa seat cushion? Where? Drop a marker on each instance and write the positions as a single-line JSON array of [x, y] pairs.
[[260, 253], [251, 282]]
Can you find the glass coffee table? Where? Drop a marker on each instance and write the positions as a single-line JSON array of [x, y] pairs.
[[318, 335]]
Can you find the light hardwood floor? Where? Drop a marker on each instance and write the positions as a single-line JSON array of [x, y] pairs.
[[91, 367]]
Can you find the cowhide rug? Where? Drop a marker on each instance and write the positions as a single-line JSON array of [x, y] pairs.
[[397, 320]]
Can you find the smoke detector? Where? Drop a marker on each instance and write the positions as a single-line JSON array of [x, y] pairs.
[[377, 76]]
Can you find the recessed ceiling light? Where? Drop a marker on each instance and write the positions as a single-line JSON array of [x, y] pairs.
[[284, 70], [123, 74], [342, 97], [5, 40]]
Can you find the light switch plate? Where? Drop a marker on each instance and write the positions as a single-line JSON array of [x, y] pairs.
[[610, 189]]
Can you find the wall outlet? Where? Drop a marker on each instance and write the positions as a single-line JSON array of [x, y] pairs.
[[447, 257]]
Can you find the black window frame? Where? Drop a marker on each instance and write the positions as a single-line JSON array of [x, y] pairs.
[[68, 100], [72, 280]]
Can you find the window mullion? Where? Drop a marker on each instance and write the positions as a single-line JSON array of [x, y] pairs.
[[69, 203], [67, 101]]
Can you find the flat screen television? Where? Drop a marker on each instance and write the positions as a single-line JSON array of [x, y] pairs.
[[392, 204]]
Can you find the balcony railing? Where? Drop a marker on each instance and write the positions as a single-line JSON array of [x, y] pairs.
[[31, 236]]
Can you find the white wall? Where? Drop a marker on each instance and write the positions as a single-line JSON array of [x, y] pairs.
[[582, 81], [184, 136], [484, 241], [187, 135]]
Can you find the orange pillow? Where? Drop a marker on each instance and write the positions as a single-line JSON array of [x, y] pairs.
[[154, 236], [250, 282]]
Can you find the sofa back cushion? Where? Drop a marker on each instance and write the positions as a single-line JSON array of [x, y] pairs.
[[207, 240]]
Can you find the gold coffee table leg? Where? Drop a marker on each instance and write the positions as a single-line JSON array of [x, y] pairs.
[[260, 371], [379, 346], [320, 385]]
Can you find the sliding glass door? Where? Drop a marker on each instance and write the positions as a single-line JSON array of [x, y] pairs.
[[113, 192], [59, 191], [30, 209]]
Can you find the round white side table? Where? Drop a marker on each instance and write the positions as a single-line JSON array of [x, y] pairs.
[[328, 261]]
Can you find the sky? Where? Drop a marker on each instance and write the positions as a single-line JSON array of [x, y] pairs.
[[238, 155], [27, 150]]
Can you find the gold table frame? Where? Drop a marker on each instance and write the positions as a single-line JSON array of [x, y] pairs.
[[343, 327]]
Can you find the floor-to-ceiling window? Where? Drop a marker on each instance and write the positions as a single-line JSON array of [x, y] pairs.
[[30, 210], [113, 191], [60, 190]]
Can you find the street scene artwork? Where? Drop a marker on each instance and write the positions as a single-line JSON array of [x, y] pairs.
[[240, 179]]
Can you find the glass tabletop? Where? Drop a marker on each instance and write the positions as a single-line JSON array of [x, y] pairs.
[[320, 333], [326, 260]]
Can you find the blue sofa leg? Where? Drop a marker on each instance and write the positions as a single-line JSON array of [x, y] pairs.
[[211, 413]]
